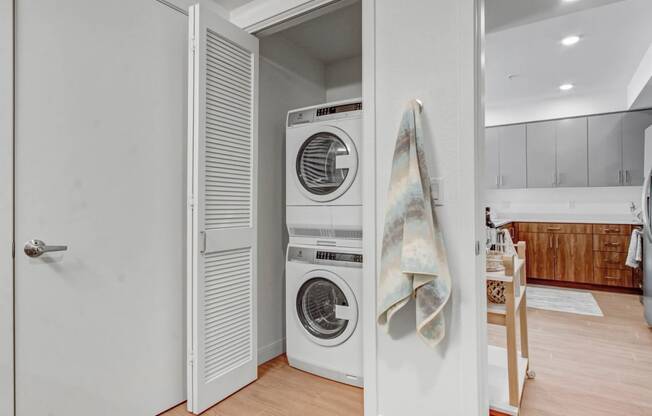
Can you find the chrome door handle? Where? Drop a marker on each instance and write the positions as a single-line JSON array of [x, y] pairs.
[[34, 248]]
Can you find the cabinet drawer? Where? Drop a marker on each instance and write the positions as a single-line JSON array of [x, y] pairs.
[[613, 229], [555, 228], [613, 277], [604, 242], [610, 260]]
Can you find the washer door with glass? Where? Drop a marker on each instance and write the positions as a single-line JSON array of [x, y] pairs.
[[326, 308], [326, 164]]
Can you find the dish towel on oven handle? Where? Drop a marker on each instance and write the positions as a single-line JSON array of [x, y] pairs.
[[413, 257]]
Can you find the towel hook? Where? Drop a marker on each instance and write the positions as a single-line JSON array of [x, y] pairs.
[[420, 105]]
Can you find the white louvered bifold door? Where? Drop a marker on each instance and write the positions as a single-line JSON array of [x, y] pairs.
[[223, 85]]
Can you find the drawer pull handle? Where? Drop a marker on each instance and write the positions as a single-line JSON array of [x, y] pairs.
[[612, 277], [554, 228], [612, 230], [612, 244]]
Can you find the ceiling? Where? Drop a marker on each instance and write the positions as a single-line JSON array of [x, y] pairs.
[[503, 14], [232, 4], [331, 37], [614, 39]]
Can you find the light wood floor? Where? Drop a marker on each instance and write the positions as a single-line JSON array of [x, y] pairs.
[[586, 366], [597, 366], [284, 391]]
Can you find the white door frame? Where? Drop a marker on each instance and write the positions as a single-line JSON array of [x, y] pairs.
[[7, 207], [369, 220]]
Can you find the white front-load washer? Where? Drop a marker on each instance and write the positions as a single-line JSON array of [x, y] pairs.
[[323, 300], [323, 185]]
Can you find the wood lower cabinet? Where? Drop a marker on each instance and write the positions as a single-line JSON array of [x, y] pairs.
[[583, 254], [574, 258], [539, 254], [610, 245]]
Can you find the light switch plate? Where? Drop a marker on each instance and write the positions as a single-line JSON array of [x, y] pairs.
[[437, 189]]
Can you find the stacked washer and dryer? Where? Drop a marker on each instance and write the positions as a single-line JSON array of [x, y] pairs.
[[324, 255]]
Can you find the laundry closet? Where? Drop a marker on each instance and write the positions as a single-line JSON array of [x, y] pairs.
[[308, 215], [310, 194]]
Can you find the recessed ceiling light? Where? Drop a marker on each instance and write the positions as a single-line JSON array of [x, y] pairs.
[[570, 40], [566, 87]]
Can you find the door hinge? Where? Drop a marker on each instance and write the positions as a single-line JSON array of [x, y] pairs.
[[477, 247], [191, 202], [191, 359], [13, 249]]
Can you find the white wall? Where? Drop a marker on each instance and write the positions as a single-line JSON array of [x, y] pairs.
[[608, 203], [569, 105], [426, 49], [288, 79], [344, 79], [639, 89]]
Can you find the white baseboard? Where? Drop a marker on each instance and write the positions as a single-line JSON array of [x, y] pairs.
[[270, 351]]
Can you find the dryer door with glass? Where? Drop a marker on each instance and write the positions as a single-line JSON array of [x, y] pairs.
[[326, 308], [326, 164]]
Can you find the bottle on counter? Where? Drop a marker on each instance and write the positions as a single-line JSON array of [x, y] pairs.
[[492, 232], [487, 216]]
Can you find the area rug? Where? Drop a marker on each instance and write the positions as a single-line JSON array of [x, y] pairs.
[[563, 300]]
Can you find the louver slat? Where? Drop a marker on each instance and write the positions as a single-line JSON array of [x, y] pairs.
[[227, 311], [228, 134]]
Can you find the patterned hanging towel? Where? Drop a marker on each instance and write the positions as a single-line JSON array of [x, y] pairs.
[[413, 261]]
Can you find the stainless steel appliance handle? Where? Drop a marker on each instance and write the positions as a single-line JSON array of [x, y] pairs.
[[645, 208], [34, 248]]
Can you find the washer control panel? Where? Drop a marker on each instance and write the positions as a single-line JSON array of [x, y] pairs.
[[318, 256]]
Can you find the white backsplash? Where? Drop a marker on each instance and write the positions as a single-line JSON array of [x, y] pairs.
[[574, 202]]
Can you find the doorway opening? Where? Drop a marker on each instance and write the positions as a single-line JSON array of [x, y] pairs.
[[568, 117]]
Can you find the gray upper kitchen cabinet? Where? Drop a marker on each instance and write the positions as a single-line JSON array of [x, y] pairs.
[[512, 160], [605, 150], [634, 125], [557, 153], [492, 158], [572, 152], [600, 150], [541, 164]]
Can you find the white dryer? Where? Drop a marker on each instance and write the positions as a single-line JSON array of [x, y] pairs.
[[323, 300], [323, 185]]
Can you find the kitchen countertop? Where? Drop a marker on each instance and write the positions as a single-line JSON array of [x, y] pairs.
[[568, 218]]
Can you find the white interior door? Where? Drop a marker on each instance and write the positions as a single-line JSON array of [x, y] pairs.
[[101, 107], [223, 84]]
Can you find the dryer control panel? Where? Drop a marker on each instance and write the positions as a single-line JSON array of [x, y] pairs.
[[325, 112], [318, 256]]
